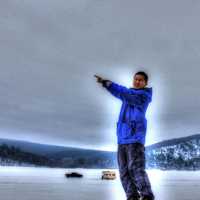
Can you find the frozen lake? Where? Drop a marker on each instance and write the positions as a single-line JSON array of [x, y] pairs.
[[28, 183]]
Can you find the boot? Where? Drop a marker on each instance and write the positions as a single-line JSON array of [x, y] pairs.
[[147, 198]]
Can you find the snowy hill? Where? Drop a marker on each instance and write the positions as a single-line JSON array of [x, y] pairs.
[[179, 153]]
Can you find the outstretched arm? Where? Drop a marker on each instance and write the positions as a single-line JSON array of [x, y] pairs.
[[136, 99], [123, 93]]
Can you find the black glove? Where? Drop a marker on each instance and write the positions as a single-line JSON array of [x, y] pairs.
[[105, 83]]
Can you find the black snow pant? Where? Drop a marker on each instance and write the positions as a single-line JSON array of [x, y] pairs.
[[131, 163]]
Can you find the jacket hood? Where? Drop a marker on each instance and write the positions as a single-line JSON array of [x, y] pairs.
[[149, 92]]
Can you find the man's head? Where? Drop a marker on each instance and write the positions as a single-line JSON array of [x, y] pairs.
[[140, 80]]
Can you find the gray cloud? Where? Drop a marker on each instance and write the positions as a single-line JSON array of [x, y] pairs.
[[50, 50]]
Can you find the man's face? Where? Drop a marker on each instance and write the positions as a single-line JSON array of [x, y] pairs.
[[139, 82]]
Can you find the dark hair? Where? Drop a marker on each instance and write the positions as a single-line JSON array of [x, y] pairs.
[[144, 74]]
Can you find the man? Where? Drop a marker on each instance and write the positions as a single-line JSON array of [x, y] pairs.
[[131, 133]]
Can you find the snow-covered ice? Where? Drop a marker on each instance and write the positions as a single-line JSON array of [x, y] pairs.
[[29, 183]]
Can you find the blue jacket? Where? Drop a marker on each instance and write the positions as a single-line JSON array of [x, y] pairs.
[[132, 122]]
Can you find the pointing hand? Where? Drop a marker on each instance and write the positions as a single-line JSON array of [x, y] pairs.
[[99, 79]]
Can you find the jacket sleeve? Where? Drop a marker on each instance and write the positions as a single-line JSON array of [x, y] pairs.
[[121, 92]]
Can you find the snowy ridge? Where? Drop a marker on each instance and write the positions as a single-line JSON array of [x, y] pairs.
[[183, 153], [175, 154]]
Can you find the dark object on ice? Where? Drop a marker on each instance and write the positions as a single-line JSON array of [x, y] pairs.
[[73, 174]]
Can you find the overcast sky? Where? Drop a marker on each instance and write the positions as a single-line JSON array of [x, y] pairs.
[[50, 50]]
